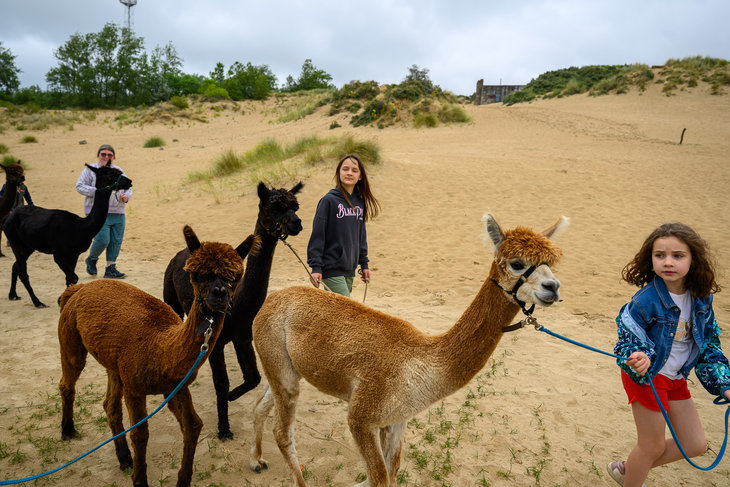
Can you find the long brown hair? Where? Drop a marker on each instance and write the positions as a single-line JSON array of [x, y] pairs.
[[700, 280], [362, 187]]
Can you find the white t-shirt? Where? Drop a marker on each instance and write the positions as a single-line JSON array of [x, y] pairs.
[[683, 339]]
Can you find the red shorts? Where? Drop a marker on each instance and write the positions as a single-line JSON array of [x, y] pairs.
[[666, 388]]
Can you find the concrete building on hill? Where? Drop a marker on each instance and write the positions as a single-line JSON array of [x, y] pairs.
[[493, 93]]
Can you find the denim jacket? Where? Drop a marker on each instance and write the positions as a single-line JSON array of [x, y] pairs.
[[648, 324]]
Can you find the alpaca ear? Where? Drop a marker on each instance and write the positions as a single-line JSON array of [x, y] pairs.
[[95, 169], [263, 191], [297, 188], [493, 230], [191, 239], [558, 228]]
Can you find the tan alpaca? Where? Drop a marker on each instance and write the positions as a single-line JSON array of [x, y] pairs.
[[383, 366]]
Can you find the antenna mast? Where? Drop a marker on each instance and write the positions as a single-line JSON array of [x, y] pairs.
[[129, 4]]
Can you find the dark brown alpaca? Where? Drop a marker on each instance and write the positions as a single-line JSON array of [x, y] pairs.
[[145, 348], [277, 219], [14, 175]]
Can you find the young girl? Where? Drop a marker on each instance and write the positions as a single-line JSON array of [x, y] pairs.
[[339, 242], [666, 330]]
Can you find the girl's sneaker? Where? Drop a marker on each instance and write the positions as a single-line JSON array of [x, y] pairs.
[[617, 471]]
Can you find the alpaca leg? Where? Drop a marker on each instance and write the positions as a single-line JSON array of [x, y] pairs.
[[13, 294], [22, 273], [113, 408], [368, 444], [190, 424], [391, 441], [137, 409], [68, 267], [260, 412], [286, 393], [73, 361], [221, 384], [247, 361]]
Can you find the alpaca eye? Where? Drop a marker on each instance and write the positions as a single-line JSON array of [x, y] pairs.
[[516, 265]]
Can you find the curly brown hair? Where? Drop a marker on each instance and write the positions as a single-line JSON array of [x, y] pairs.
[[700, 280]]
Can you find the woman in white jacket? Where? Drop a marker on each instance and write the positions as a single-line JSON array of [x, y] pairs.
[[111, 235]]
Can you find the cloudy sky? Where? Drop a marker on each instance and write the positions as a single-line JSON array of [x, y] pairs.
[[458, 41]]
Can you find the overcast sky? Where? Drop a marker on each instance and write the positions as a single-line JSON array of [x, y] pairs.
[[458, 41]]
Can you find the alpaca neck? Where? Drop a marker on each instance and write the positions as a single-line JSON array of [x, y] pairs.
[[93, 222], [255, 282], [8, 199], [467, 346], [188, 336]]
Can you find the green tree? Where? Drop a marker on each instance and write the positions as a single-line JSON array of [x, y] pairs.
[[108, 68], [74, 74], [420, 76], [9, 82], [218, 73], [164, 74], [249, 82], [311, 78]]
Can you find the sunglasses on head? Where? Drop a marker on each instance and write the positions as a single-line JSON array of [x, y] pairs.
[[106, 154]]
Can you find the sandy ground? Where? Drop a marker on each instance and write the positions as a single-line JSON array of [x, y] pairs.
[[542, 412]]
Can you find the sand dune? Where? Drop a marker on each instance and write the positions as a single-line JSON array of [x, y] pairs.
[[541, 413]]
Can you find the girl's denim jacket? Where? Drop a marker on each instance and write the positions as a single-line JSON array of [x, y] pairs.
[[648, 324]]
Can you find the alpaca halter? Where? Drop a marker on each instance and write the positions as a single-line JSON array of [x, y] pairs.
[[520, 281], [278, 229], [115, 185]]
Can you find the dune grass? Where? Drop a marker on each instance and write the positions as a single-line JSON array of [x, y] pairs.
[[154, 142], [273, 163]]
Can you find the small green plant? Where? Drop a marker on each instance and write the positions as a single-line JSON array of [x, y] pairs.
[[3, 149], [28, 139], [335, 125], [8, 160], [154, 142], [18, 457], [180, 102], [428, 120]]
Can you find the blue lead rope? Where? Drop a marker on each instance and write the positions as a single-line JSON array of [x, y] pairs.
[[203, 351], [718, 400]]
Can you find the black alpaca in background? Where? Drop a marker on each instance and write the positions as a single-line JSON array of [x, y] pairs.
[[14, 175], [58, 232], [277, 219]]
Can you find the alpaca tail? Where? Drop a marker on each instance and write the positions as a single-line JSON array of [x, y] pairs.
[[66, 295]]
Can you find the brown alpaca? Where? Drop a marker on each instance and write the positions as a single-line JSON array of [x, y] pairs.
[[383, 366], [145, 347]]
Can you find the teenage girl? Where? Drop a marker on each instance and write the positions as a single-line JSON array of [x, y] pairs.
[[667, 329], [338, 243]]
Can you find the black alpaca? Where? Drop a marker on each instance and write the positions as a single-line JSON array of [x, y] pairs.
[[14, 175], [59, 232], [277, 219]]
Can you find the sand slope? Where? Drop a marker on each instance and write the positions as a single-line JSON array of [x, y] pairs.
[[542, 413]]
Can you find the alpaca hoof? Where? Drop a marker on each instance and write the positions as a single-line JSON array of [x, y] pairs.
[[225, 435], [39, 305], [262, 465], [69, 436], [126, 466], [13, 297]]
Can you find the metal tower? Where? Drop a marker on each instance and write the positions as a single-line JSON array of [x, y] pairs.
[[129, 4]]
